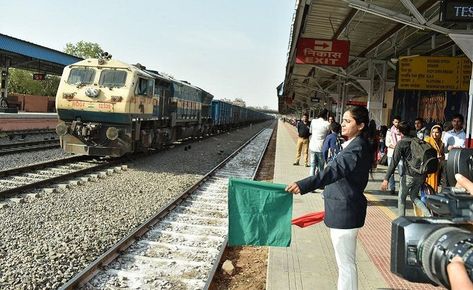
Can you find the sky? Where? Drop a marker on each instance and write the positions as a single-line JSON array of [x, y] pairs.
[[232, 49]]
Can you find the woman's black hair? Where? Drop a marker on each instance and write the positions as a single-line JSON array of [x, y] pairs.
[[361, 115], [372, 129]]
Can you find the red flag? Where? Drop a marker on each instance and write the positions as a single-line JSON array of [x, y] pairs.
[[309, 219]]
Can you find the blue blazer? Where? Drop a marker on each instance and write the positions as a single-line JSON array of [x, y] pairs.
[[345, 179]]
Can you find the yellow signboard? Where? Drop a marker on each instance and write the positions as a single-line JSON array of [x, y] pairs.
[[434, 73]]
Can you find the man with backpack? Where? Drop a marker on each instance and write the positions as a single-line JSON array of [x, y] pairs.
[[332, 143], [303, 131], [419, 159]]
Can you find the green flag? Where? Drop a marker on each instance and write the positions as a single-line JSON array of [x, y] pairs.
[[259, 213]]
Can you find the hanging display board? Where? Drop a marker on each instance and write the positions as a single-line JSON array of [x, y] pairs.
[[456, 11], [434, 73]]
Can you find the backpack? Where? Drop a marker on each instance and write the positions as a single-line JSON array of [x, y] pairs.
[[423, 158]]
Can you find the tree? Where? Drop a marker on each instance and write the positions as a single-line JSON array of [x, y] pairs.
[[84, 49], [239, 102], [21, 82]]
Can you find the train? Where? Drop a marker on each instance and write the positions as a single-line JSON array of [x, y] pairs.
[[107, 107]]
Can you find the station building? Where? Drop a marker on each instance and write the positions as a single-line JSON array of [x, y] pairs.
[[408, 58]]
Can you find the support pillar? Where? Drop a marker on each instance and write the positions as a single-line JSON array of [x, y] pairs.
[[4, 85], [375, 86], [340, 101], [343, 100]]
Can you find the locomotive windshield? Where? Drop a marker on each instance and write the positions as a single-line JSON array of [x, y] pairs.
[[81, 76], [112, 78], [144, 87]]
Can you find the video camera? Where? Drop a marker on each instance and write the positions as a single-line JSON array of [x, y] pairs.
[[421, 248]]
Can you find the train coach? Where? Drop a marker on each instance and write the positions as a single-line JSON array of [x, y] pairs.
[[109, 108], [226, 115]]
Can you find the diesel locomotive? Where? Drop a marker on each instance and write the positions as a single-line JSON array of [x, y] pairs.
[[109, 108]]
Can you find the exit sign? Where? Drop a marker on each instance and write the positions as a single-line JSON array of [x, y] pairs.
[[39, 77]]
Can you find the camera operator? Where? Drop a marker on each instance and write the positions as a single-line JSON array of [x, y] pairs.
[[457, 274], [439, 250]]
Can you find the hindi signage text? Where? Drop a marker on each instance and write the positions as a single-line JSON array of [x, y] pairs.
[[323, 52]]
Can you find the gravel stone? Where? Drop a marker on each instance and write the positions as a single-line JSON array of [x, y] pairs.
[[48, 240], [26, 158]]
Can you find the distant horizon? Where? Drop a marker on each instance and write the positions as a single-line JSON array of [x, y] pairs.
[[233, 50]]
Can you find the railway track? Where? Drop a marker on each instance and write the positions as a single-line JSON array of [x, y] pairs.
[[180, 247], [18, 147], [24, 133], [17, 180]]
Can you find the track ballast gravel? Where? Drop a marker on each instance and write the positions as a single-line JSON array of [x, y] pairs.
[[48, 240], [26, 158]]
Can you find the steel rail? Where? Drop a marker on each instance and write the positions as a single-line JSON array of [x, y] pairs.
[[40, 165], [260, 159], [28, 146], [29, 132], [51, 164], [81, 279]]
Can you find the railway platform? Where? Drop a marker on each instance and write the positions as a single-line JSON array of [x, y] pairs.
[[27, 121], [309, 263]]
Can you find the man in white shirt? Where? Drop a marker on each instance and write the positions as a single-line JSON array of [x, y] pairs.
[[392, 137], [454, 138], [319, 129]]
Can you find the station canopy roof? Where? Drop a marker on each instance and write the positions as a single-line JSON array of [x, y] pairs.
[[21, 54], [378, 30]]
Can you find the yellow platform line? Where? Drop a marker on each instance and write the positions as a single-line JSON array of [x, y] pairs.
[[391, 215]]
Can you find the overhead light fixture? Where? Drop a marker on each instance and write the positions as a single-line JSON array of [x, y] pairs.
[[384, 13]]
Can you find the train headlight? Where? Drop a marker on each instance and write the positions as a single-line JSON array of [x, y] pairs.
[[112, 133], [68, 96], [92, 92], [61, 129], [117, 99]]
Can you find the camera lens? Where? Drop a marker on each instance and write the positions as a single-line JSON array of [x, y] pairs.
[[440, 247]]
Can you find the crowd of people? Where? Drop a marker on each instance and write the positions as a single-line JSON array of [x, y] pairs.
[[342, 156], [398, 139], [320, 140]]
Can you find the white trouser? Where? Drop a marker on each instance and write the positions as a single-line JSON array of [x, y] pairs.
[[344, 244]]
